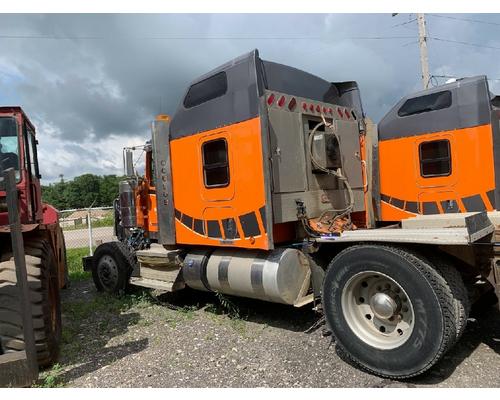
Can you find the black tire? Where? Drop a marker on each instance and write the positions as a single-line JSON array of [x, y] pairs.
[[109, 277], [461, 299], [434, 307], [45, 301]]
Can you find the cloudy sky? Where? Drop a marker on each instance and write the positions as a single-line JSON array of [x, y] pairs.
[[93, 83]]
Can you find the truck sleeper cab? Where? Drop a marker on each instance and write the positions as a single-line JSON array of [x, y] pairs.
[[439, 152], [272, 184]]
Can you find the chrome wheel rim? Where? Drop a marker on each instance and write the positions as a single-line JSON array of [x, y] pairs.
[[107, 270], [378, 310]]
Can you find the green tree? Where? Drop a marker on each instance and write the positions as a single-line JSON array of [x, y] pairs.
[[82, 191]]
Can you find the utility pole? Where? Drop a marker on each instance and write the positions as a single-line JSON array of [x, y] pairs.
[[424, 58]]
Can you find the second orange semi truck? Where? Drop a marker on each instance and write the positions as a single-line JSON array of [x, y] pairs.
[[271, 183]]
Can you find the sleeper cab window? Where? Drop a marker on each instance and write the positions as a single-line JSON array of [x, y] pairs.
[[435, 158], [429, 102], [205, 90], [215, 163]]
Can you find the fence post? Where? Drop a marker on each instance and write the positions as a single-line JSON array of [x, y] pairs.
[[89, 226]]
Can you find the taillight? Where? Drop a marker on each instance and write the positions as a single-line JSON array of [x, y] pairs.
[[304, 106], [281, 101], [311, 107], [347, 114], [292, 104], [339, 110], [270, 99]]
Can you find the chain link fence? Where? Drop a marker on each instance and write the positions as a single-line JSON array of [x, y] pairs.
[[87, 228]]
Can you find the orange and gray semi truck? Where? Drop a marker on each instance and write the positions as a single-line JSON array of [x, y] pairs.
[[271, 183]]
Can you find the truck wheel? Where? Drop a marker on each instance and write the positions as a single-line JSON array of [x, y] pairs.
[[112, 266], [390, 311], [45, 302]]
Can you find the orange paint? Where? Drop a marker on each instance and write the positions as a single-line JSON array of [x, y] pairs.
[[244, 194], [472, 170]]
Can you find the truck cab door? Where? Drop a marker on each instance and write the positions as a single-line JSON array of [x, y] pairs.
[[437, 172], [31, 157]]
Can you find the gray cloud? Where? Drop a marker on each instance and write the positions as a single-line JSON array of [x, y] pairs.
[[100, 87]]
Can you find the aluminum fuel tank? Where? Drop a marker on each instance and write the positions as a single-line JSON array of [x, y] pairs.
[[279, 276]]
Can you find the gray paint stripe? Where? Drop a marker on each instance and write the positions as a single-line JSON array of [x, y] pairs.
[[223, 272], [203, 274], [491, 197], [474, 203], [430, 207], [256, 276]]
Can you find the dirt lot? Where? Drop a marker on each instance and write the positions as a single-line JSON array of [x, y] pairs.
[[200, 340]]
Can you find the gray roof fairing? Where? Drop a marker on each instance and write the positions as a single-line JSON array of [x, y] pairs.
[[470, 107], [247, 75]]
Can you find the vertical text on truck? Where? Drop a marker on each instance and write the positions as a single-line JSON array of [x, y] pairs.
[[270, 183]]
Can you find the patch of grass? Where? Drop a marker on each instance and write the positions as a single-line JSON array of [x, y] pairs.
[[188, 312], [75, 265], [239, 326], [102, 302], [50, 378], [107, 220]]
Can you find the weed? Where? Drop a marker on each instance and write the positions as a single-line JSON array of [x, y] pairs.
[[229, 307], [50, 378]]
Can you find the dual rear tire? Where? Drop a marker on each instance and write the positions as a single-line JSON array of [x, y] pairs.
[[392, 311]]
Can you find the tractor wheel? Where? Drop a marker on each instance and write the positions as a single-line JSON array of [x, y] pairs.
[[391, 311], [45, 302], [112, 266]]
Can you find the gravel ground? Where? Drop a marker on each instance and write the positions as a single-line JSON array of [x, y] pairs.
[[188, 340]]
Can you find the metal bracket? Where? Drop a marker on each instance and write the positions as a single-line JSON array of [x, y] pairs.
[[478, 226]]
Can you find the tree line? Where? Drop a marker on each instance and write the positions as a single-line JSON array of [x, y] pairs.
[[82, 192]]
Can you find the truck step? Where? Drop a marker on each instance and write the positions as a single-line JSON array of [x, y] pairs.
[[159, 256], [159, 268], [166, 286]]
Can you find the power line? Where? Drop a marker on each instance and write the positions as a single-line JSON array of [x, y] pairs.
[[463, 43], [198, 37], [404, 23], [465, 19]]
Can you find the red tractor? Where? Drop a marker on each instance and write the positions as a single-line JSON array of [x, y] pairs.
[[43, 241]]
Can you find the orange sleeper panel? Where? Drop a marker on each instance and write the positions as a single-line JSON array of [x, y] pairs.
[[222, 216], [471, 179]]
